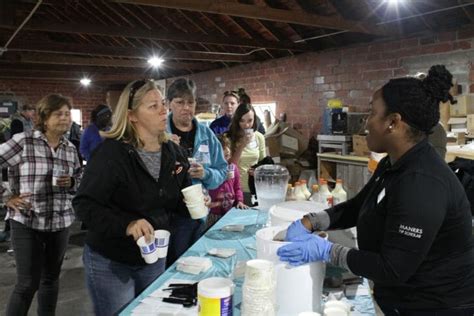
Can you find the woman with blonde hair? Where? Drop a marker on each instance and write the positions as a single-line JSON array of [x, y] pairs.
[[130, 188], [39, 205]]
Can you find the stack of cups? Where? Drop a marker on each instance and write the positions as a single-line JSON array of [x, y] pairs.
[[156, 248], [194, 199], [336, 308], [259, 289]]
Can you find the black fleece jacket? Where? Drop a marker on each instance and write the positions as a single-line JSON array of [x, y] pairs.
[[414, 233], [117, 188]]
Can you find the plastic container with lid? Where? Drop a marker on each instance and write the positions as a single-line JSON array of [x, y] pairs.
[[339, 194], [215, 297], [306, 192], [299, 192], [315, 195], [290, 193], [325, 195]]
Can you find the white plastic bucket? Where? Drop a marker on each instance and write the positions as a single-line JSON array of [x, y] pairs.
[[307, 279], [215, 297], [285, 213]]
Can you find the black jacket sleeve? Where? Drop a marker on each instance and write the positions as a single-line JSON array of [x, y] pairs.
[[91, 203], [414, 213], [16, 127]]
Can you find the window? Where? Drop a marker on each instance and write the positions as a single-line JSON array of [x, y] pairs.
[[260, 110], [76, 115]]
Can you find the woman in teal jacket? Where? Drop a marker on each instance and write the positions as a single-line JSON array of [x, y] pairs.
[[210, 167]]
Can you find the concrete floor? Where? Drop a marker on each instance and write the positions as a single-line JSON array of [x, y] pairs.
[[73, 297]]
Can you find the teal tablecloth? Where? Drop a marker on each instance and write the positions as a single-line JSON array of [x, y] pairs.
[[244, 243]]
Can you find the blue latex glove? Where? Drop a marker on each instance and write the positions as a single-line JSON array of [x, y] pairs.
[[295, 230], [304, 249]]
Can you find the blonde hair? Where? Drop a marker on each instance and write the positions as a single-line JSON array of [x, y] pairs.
[[48, 105], [122, 128]]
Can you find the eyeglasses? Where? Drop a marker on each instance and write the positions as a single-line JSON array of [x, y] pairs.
[[133, 89], [180, 103]]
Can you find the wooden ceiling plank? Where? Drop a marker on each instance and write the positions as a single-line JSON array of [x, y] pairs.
[[158, 35], [133, 14], [256, 12], [152, 18], [39, 58], [193, 21], [215, 24], [118, 14], [130, 52], [271, 30], [101, 10], [239, 26], [68, 75]]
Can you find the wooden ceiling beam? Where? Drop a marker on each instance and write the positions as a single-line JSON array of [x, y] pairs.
[[130, 52], [68, 75], [256, 12], [56, 59], [157, 35]]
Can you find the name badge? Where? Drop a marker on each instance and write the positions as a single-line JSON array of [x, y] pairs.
[[381, 196], [203, 148]]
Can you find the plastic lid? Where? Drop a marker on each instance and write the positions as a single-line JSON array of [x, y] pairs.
[[216, 287]]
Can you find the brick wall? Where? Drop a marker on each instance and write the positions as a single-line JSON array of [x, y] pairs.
[[301, 85], [31, 91]]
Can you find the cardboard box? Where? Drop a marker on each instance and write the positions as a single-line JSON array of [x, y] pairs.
[[444, 114], [463, 107], [470, 124], [359, 145], [284, 141], [458, 124]]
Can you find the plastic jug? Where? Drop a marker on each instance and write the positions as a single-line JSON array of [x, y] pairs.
[[339, 194], [271, 183]]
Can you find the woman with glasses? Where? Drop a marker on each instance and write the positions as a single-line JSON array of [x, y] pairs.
[[209, 167], [130, 188]]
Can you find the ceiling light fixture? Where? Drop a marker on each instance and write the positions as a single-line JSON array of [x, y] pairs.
[[85, 81], [394, 3], [155, 61]]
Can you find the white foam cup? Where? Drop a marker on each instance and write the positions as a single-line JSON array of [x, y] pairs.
[[194, 199], [162, 239], [198, 211], [335, 311], [309, 314], [338, 304], [260, 273], [148, 250], [193, 194]]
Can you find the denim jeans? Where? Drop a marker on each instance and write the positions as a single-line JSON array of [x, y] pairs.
[[112, 285], [38, 256], [184, 233]]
